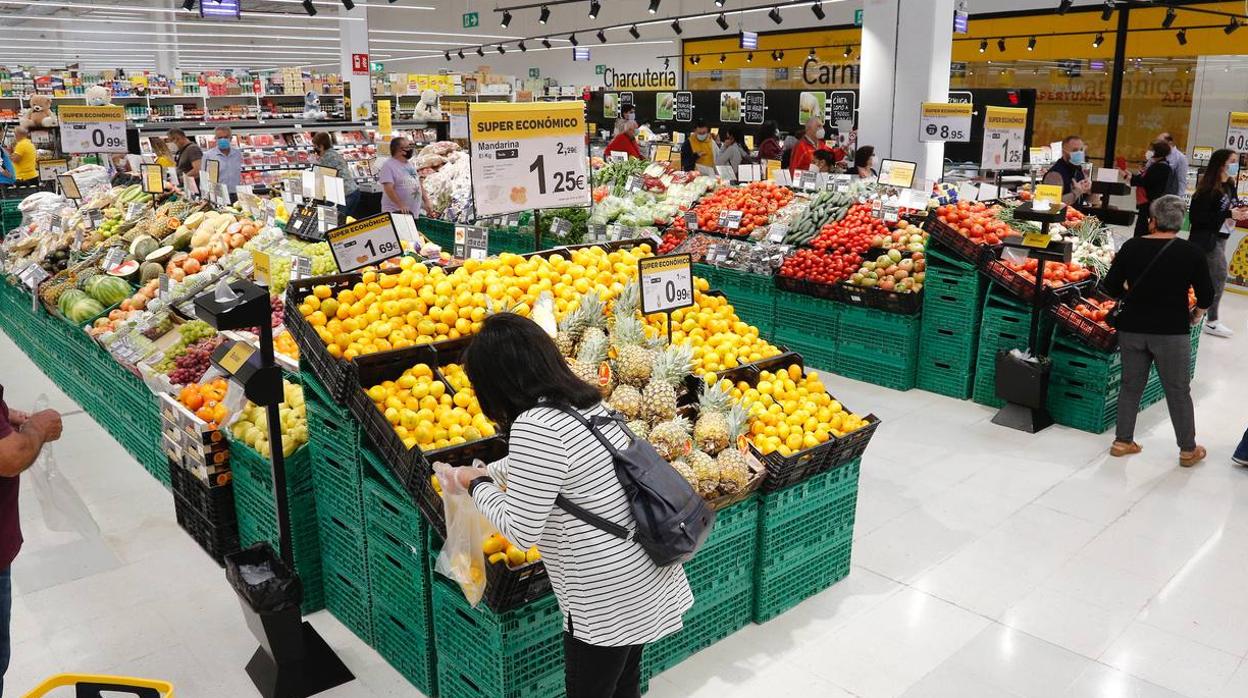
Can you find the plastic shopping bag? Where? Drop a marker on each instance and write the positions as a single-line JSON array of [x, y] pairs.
[[462, 558], [63, 510]]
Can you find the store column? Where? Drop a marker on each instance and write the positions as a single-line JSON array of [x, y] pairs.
[[906, 47], [353, 44]]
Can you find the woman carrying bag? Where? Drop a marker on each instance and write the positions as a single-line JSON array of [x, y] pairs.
[[613, 596]]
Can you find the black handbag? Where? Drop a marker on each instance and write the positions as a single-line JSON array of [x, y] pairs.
[[1112, 317]]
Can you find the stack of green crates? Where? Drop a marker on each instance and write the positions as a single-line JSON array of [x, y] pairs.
[[10, 215], [483, 654], [953, 306], [877, 347], [753, 296], [721, 576], [398, 575], [805, 538], [257, 512], [338, 476], [1006, 324], [511, 239], [440, 233], [807, 325], [1085, 383]]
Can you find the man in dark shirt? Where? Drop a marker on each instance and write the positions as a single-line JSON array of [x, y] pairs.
[[22, 436], [189, 154]]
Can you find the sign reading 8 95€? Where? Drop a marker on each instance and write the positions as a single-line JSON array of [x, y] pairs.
[[527, 156], [87, 129]]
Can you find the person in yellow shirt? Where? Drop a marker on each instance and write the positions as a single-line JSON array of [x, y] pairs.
[[24, 158], [699, 150]]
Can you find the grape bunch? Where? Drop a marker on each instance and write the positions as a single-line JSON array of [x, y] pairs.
[[189, 334], [159, 329], [191, 366]]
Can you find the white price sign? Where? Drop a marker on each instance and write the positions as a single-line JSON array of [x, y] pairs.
[[945, 122], [527, 156], [86, 129], [364, 243], [666, 283], [1005, 131], [1237, 131]]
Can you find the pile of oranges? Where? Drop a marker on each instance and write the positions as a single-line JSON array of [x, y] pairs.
[[206, 401]]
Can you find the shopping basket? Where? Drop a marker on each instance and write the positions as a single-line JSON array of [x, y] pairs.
[[93, 686]]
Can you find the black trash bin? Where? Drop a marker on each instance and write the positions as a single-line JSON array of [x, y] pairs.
[[1024, 385]]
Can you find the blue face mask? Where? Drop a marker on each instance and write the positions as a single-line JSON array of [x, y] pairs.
[[1076, 158], [223, 144], [1232, 169]]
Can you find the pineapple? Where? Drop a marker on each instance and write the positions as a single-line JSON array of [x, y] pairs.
[[706, 470], [658, 400], [710, 432], [627, 303], [627, 400], [734, 465], [639, 428], [588, 364], [595, 319], [685, 472], [632, 359], [571, 327], [670, 438]]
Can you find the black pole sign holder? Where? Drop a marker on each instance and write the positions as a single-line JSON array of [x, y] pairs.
[[293, 661], [1107, 213], [1024, 384]]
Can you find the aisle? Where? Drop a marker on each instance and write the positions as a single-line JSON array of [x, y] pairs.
[[987, 563]]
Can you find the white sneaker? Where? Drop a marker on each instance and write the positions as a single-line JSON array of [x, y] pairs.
[[1219, 329]]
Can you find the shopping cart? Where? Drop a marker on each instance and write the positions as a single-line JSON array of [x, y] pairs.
[[93, 686]]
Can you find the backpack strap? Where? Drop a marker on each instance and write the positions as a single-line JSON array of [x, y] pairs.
[[577, 510]]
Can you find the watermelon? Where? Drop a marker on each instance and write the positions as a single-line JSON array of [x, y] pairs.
[[108, 290], [68, 298], [83, 310]]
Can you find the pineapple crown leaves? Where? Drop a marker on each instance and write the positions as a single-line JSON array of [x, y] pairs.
[[678, 423], [593, 350], [628, 331], [738, 420], [673, 364], [594, 310], [628, 301], [714, 399]]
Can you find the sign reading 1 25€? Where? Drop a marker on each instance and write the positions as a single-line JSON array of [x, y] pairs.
[[527, 156], [87, 129]]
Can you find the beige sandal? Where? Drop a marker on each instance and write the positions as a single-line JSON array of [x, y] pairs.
[[1124, 448], [1189, 458]]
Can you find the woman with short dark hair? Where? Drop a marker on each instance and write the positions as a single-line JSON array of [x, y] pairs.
[[613, 597], [1213, 214], [864, 161], [328, 157]]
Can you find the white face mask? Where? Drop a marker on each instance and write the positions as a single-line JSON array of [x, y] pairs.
[[1149, 155], [702, 136], [820, 134]]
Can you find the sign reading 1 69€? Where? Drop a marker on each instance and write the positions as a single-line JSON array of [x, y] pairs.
[[527, 156]]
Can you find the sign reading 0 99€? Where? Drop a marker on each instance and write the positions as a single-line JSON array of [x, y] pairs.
[[87, 129], [527, 156]]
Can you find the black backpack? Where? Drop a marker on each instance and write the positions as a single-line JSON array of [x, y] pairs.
[[672, 521]]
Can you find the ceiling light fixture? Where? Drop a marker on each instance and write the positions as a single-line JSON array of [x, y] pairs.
[[1181, 37], [1171, 14], [848, 50], [545, 42], [720, 3], [594, 8], [654, 6], [983, 45], [188, 5], [1031, 44], [722, 21], [309, 8], [501, 50], [1063, 6], [522, 47], [749, 57], [1001, 45], [447, 55], [461, 54], [602, 37], [667, 63], [1100, 39], [775, 15], [544, 15], [676, 26], [348, 4], [572, 39], [810, 55], [1107, 11], [1231, 26], [506, 19], [817, 10], [722, 58], [481, 52], [632, 31]]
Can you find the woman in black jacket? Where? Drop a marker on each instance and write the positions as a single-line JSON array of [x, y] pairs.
[[1213, 215], [1150, 183]]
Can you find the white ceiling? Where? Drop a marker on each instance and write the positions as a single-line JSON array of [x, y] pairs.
[[407, 33]]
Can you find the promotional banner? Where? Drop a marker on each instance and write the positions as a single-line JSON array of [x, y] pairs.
[[1005, 133], [527, 156]]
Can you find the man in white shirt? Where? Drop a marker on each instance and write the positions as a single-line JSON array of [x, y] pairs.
[[1178, 166]]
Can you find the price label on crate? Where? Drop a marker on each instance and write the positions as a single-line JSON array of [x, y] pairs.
[[840, 183], [716, 252], [113, 257], [597, 232], [776, 232], [691, 221], [300, 268], [560, 228], [807, 180], [666, 283], [890, 213], [877, 209], [134, 210], [32, 275], [633, 183], [615, 232], [56, 224], [729, 220], [94, 217], [472, 242], [163, 293], [69, 186], [76, 246], [303, 223], [364, 242]]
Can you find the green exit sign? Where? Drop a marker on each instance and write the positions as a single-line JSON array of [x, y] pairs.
[[600, 69], [473, 20], [857, 18], [535, 73], [376, 67]]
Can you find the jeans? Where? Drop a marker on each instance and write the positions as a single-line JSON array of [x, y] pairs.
[[6, 609], [1241, 453], [348, 208], [601, 672], [1172, 353], [1217, 272]]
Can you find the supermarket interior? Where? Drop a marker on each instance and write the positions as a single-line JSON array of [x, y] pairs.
[[609, 348]]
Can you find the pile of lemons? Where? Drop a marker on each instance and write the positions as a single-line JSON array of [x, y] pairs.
[[428, 415], [791, 412]]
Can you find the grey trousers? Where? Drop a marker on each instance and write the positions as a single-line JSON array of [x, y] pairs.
[[1172, 353], [1217, 272]]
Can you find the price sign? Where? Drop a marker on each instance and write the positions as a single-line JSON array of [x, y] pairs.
[[163, 293], [527, 156], [633, 183], [32, 275], [666, 283], [86, 129], [838, 183], [716, 252], [94, 217], [897, 173], [303, 224], [753, 105], [134, 210], [113, 257], [725, 172], [691, 221], [597, 232], [940, 122], [1051, 193], [56, 224], [560, 228], [364, 242], [1201, 154], [729, 220], [237, 355], [300, 268], [153, 179], [1005, 129], [213, 170], [1040, 156], [877, 209], [1237, 131], [776, 232], [890, 213], [260, 267], [69, 187], [1039, 241], [749, 173], [615, 232], [662, 152], [684, 106], [471, 242], [807, 180], [49, 170]]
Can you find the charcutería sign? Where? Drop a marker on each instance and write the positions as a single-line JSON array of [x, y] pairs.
[[639, 79]]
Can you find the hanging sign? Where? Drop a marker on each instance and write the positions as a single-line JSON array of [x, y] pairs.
[[86, 129], [527, 156], [1005, 130], [939, 122], [752, 107], [384, 117], [666, 283], [1237, 131], [364, 242], [684, 106]]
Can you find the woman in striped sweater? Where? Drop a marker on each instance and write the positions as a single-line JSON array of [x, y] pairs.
[[614, 599]]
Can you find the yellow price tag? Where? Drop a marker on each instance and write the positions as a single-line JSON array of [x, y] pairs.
[[236, 357], [153, 179], [1039, 241], [260, 262], [1051, 193]]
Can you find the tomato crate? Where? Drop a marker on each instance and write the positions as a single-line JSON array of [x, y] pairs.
[[946, 238], [339, 486], [496, 655], [407, 645], [440, 233], [398, 573], [332, 374], [729, 551], [788, 284], [798, 517], [714, 616], [1086, 330], [944, 377], [783, 586], [885, 370], [347, 598], [877, 331]]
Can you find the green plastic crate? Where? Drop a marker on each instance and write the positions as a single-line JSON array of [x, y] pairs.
[[1082, 364], [806, 319], [516, 654], [345, 545], [339, 486], [887, 370], [440, 233], [820, 356], [746, 286], [948, 342], [398, 574], [941, 259], [781, 587], [347, 598], [384, 506], [727, 556], [878, 331], [407, 645], [798, 518], [943, 377], [502, 241], [714, 616]]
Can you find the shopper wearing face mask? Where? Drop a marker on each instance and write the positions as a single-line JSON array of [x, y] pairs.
[[326, 156], [1214, 213], [229, 162], [811, 140], [699, 149], [398, 178], [1150, 183], [625, 142], [1068, 173], [864, 162]]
